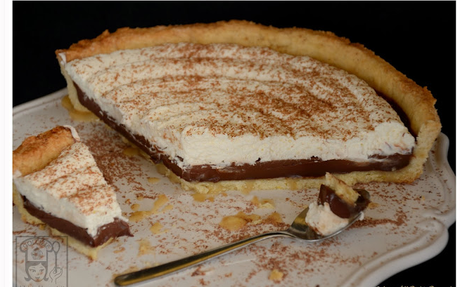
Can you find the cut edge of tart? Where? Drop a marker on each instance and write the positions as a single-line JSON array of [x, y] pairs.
[[43, 168], [416, 102]]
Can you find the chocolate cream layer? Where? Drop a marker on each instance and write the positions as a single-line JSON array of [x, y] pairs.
[[312, 167], [339, 206], [111, 230]]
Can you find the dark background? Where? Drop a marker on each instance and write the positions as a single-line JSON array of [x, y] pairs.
[[418, 38]]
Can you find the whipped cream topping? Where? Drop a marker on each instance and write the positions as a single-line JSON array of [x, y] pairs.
[[72, 188], [219, 104], [321, 219]]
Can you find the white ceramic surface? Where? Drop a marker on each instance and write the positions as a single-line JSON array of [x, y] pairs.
[[406, 225]]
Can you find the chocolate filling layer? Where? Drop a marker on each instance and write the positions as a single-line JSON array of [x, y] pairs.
[[340, 207], [259, 170], [111, 230]]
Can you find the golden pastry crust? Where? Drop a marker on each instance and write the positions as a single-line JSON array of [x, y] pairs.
[[415, 101], [38, 151]]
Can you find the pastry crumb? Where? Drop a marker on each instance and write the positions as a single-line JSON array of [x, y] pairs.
[[153, 179], [145, 247], [157, 228], [233, 223], [276, 275], [263, 203], [373, 205], [240, 220], [201, 197], [131, 151], [159, 206], [121, 249]]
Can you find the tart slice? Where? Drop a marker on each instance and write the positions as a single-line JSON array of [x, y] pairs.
[[337, 203], [56, 182], [237, 105]]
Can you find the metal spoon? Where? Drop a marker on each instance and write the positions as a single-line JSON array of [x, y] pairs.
[[298, 229]]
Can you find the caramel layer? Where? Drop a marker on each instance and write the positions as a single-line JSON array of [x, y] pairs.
[[260, 170], [112, 230]]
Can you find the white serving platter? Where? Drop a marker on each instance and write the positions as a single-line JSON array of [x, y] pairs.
[[406, 224]]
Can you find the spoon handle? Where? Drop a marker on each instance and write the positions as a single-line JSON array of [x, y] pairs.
[[164, 269]]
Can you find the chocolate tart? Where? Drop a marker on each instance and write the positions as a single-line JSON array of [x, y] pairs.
[[56, 183], [415, 103]]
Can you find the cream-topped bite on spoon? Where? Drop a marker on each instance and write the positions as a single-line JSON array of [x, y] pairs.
[[337, 203]]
